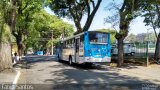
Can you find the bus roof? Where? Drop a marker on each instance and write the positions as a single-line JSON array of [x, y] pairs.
[[98, 32], [67, 38]]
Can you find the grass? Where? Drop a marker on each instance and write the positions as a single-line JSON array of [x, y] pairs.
[[139, 61]]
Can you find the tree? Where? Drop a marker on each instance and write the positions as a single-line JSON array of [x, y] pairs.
[[151, 10], [42, 28], [127, 12], [24, 12], [76, 9], [150, 37], [7, 25], [131, 38]]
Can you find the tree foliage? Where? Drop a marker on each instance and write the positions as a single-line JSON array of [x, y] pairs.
[[126, 12], [131, 38], [42, 27], [151, 13], [76, 9], [151, 10], [24, 13]]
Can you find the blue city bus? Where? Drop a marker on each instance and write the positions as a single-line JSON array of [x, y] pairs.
[[86, 47]]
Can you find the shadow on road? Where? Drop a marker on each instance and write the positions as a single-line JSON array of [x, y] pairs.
[[28, 61], [61, 76], [82, 79]]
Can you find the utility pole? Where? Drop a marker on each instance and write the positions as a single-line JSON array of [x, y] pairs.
[[52, 43]]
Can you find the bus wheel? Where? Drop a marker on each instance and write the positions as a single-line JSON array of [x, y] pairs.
[[88, 64], [132, 53], [70, 61]]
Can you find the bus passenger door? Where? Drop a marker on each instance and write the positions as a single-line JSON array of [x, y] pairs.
[[77, 43]]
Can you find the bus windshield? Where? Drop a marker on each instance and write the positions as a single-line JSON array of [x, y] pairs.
[[98, 38]]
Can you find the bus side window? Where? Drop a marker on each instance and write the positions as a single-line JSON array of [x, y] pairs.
[[81, 40], [67, 44], [64, 45], [61, 45], [72, 43], [77, 45]]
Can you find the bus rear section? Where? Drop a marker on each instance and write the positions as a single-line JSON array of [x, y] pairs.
[[97, 47]]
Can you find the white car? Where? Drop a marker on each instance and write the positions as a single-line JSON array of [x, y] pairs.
[[129, 49]]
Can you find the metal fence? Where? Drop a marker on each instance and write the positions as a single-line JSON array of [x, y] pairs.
[[143, 54], [141, 49]]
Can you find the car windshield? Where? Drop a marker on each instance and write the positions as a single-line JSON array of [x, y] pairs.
[[98, 38]]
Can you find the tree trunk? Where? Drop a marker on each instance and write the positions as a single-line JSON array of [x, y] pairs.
[[5, 56], [78, 26], [20, 49], [157, 50], [91, 16], [120, 52], [5, 47], [20, 44]]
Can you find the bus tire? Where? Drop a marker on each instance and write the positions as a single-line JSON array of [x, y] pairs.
[[70, 60], [132, 54], [88, 64]]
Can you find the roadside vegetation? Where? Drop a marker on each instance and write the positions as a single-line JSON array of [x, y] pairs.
[[126, 13], [32, 26]]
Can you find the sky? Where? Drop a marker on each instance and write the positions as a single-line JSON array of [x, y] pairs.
[[137, 26]]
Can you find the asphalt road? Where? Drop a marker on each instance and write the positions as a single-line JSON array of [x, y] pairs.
[[46, 73]]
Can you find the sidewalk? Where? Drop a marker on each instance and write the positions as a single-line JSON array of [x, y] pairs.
[[151, 72]]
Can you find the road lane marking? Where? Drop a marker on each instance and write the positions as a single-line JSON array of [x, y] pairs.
[[16, 80]]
